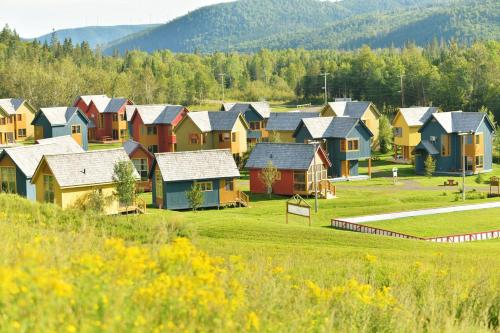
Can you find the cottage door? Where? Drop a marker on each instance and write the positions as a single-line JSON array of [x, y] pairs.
[[115, 134], [38, 132], [159, 189], [345, 168]]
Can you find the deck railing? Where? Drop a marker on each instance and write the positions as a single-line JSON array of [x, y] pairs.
[[244, 198]]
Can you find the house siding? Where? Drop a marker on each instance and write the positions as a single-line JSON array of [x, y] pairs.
[[175, 195], [56, 131], [284, 186]]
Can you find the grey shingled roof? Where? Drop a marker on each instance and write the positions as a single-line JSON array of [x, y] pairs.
[[287, 121], [10, 105], [262, 108], [427, 146], [158, 114], [103, 103], [214, 121], [350, 109], [330, 127], [89, 98], [27, 158], [458, 121], [130, 146], [59, 116], [417, 116], [227, 106], [115, 104], [197, 165], [86, 168], [285, 156]]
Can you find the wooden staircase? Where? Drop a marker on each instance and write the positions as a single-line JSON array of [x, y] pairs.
[[243, 199], [327, 190]]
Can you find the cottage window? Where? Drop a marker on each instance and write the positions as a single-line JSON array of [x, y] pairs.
[[76, 129], [2, 121], [229, 185], [205, 186], [123, 133], [21, 133], [141, 165], [101, 121], [122, 116], [233, 137], [19, 117], [224, 137], [48, 188], [152, 130], [470, 139], [193, 139], [445, 145], [115, 117], [349, 145], [255, 125], [299, 181], [398, 132], [479, 161], [153, 149], [478, 139], [8, 179], [11, 119]]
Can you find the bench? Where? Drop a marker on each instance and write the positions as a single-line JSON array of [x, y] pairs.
[[450, 182]]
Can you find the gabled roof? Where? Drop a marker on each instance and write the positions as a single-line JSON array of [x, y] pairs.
[[330, 127], [287, 121], [417, 116], [350, 109], [27, 158], [285, 156], [59, 116], [262, 108], [214, 121], [86, 168], [197, 165], [10, 105], [459, 122], [428, 147], [131, 146], [156, 114], [227, 106], [115, 104], [89, 98]]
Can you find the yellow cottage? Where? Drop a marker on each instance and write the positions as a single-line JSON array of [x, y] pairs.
[[366, 111], [282, 125], [213, 130], [65, 179], [15, 120], [406, 126]]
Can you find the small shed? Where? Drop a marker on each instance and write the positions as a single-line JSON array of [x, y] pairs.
[[62, 121], [296, 163], [215, 171]]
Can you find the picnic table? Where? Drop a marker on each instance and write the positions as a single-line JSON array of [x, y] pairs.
[[451, 182]]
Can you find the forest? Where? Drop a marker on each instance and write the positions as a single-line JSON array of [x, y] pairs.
[[451, 75]]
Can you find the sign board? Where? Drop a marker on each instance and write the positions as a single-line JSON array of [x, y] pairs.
[[395, 172], [298, 206], [299, 210]]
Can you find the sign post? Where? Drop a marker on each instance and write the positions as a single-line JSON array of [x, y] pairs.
[[299, 207], [395, 175]]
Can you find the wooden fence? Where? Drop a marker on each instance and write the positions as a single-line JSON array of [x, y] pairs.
[[471, 237]]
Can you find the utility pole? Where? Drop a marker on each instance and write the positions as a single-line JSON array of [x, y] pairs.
[[222, 75], [402, 90], [325, 87], [463, 167]]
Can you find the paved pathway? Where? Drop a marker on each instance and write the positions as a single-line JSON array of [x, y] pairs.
[[432, 211]]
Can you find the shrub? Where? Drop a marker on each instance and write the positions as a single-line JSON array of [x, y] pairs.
[[479, 178], [430, 166], [195, 197]]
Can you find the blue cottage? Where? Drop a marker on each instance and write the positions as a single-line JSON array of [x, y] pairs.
[[450, 136], [214, 171], [346, 140], [18, 164], [61, 121]]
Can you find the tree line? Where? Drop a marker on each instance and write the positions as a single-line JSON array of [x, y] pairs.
[[449, 75]]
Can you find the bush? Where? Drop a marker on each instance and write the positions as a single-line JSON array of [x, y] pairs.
[[479, 178]]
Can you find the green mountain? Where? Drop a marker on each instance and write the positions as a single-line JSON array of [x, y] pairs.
[[248, 25], [97, 35]]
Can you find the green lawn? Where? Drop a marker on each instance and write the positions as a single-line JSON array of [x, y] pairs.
[[444, 224], [101, 146]]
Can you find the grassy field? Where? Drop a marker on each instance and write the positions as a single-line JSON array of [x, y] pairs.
[[268, 271], [444, 224]]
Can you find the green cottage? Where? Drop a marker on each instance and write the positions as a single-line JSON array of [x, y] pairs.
[[215, 171]]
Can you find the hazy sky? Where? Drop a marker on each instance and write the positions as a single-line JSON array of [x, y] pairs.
[[32, 18]]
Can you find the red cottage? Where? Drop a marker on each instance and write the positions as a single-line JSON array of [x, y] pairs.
[[296, 163], [153, 126], [107, 117], [142, 160]]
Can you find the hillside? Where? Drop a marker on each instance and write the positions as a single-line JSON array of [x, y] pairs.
[[248, 25], [97, 35]]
